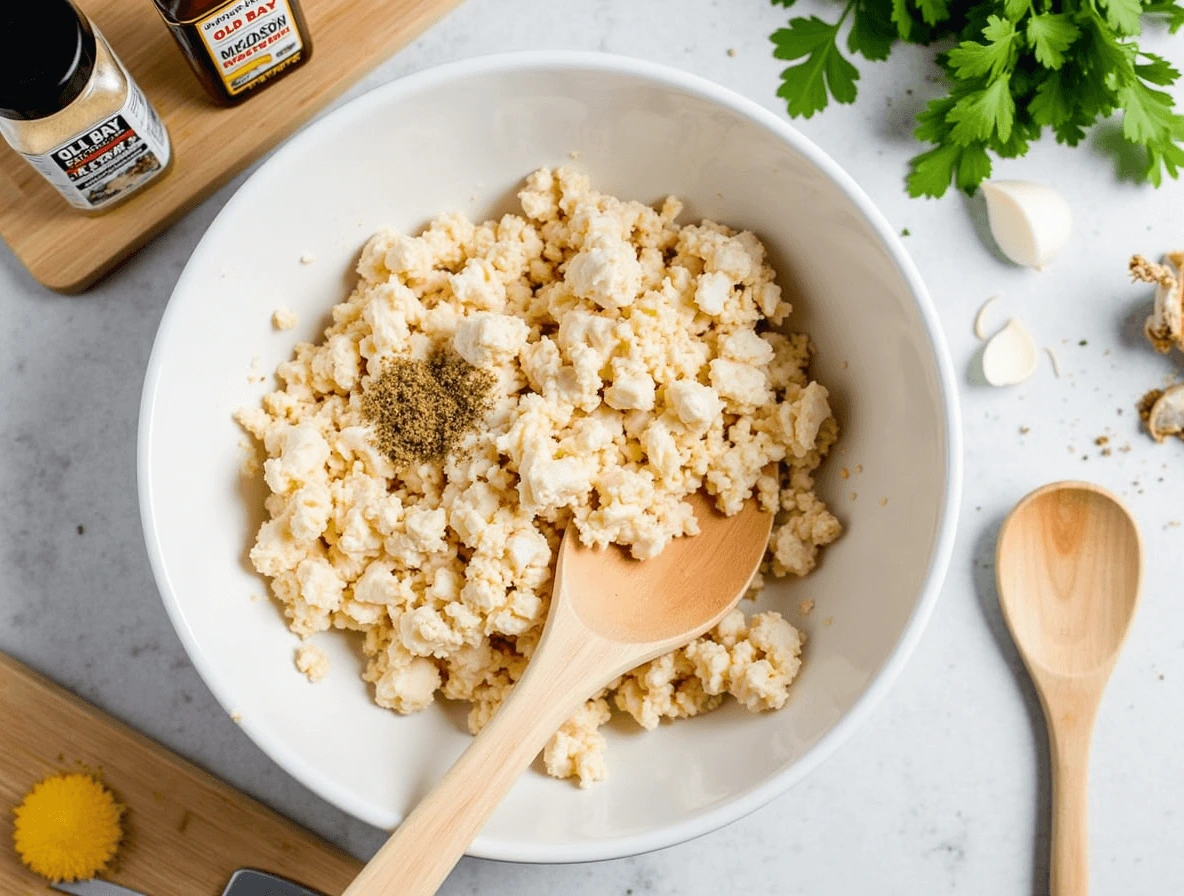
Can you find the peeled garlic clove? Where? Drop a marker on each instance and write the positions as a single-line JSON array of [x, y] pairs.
[[1030, 222], [1011, 356], [1166, 417]]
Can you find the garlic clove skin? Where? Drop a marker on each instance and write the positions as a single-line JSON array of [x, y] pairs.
[[1030, 222], [1011, 356]]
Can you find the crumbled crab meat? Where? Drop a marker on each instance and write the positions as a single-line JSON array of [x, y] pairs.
[[1165, 326], [1162, 411]]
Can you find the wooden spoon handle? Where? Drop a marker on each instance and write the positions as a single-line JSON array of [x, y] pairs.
[[1069, 744], [415, 861]]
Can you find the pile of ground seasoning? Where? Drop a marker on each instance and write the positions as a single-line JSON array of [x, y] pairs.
[[421, 409]]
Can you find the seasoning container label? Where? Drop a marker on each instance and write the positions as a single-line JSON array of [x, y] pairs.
[[251, 41], [115, 156]]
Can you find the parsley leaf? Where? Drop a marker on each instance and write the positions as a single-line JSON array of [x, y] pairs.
[[803, 37], [1170, 8], [804, 86], [902, 18], [933, 11], [1147, 115], [872, 31], [933, 171], [1157, 70], [1016, 9], [1050, 35], [982, 113], [971, 59], [1123, 15], [974, 166]]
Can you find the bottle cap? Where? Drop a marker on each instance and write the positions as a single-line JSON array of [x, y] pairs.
[[47, 54]]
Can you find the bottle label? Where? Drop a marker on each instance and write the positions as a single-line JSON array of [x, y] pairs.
[[251, 41], [110, 159]]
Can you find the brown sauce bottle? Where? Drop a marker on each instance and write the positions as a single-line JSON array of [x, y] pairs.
[[238, 47]]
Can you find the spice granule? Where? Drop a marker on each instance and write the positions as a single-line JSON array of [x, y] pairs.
[[421, 409]]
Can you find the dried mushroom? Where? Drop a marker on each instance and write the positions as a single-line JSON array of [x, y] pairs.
[[1165, 326], [1162, 411]]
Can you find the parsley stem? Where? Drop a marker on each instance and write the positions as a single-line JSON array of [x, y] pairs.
[[850, 6]]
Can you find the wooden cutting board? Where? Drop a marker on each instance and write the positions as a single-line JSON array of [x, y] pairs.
[[68, 251], [186, 830]]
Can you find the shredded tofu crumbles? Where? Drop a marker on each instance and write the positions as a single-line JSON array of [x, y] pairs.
[[635, 361], [284, 319]]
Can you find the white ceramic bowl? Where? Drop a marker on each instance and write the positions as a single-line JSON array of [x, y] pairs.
[[462, 137]]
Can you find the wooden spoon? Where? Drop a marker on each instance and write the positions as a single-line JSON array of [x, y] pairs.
[[1068, 563], [609, 613]]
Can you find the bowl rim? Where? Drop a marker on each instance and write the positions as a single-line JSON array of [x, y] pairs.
[[707, 820]]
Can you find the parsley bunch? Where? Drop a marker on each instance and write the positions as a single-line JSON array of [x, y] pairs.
[[1014, 67]]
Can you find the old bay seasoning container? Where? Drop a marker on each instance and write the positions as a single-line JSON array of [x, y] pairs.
[[70, 108], [237, 47]]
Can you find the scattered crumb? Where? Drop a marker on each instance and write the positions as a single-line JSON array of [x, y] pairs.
[[574, 155], [1024, 430], [806, 607], [312, 661], [883, 502], [1056, 362], [828, 621], [255, 371], [859, 468], [854, 495], [1106, 452], [731, 51], [284, 319], [845, 473], [1106, 353], [843, 450], [255, 598], [307, 258], [1072, 450], [843, 365], [1126, 448], [980, 319], [236, 717], [1101, 441], [1161, 676]]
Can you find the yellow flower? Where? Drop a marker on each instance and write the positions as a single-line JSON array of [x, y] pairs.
[[68, 827]]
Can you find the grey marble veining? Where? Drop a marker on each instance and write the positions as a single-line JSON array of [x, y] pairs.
[[944, 790]]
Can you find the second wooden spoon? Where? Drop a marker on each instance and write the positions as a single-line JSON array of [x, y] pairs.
[[1069, 560]]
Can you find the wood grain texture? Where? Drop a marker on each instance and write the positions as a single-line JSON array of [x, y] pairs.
[[609, 614], [186, 831], [68, 251], [1069, 563]]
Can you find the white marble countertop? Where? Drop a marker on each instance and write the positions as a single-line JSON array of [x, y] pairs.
[[945, 788]]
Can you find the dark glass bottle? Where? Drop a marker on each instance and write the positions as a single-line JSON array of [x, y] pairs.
[[238, 47]]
